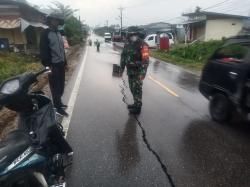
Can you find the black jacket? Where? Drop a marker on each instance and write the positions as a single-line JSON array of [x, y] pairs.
[[45, 50]]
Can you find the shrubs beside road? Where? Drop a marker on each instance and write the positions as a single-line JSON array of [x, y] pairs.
[[12, 64], [192, 56]]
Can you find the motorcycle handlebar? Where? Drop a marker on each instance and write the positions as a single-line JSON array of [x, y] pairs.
[[42, 71]]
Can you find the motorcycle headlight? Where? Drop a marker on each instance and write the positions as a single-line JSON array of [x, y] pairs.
[[10, 87]]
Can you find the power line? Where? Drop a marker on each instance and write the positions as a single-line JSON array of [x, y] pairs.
[[225, 7], [229, 7], [241, 9], [212, 6], [234, 7], [216, 5]]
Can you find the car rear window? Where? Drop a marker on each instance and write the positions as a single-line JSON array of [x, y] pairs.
[[169, 36], [232, 53], [150, 38]]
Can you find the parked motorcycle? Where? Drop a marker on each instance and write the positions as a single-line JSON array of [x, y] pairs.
[[31, 156]]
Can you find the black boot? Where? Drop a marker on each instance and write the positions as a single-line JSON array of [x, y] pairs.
[[63, 106], [135, 110], [62, 112]]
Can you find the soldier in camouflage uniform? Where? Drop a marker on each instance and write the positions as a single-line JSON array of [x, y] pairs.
[[132, 59]]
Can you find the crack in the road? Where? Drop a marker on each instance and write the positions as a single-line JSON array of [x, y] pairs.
[[144, 137]]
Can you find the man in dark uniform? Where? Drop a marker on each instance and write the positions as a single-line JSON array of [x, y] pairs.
[[135, 58], [53, 55]]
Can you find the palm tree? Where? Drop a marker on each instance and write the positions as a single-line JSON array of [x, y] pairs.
[[65, 10]]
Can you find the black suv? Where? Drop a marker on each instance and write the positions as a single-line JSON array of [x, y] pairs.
[[226, 79]]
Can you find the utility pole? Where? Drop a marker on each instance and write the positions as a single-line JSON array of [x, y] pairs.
[[121, 18], [107, 21]]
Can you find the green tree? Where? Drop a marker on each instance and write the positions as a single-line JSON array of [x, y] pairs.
[[65, 10], [74, 30]]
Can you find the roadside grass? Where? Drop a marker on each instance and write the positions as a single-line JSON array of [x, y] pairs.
[[192, 56], [12, 64]]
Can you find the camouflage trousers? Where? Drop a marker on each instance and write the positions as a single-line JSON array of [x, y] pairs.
[[135, 85]]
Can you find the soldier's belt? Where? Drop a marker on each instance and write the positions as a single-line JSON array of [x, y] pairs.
[[132, 66]]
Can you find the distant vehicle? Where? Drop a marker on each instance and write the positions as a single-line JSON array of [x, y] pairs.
[[225, 79], [107, 37], [98, 44], [152, 40], [117, 38], [90, 42]]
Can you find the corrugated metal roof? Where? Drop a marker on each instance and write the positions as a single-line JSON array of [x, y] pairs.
[[192, 21], [10, 23], [26, 4], [19, 22], [215, 14]]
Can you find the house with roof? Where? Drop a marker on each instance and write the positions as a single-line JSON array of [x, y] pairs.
[[153, 28], [205, 26], [20, 26]]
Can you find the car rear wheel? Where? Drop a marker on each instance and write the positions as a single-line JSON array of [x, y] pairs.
[[220, 108]]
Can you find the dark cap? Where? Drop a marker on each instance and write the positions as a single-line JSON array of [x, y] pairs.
[[55, 16]]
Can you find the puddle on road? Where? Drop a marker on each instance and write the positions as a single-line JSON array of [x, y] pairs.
[[127, 147], [188, 80], [185, 79]]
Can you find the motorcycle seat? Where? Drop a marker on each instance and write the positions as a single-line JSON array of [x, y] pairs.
[[13, 146]]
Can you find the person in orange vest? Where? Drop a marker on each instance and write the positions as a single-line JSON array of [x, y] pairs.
[[135, 57]]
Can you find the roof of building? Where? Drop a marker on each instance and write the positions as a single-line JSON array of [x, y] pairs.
[[215, 14], [20, 3], [9, 22], [193, 21], [156, 25]]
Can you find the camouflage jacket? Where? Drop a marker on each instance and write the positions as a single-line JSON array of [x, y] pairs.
[[131, 58]]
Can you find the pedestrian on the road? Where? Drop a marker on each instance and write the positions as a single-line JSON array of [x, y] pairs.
[[98, 45], [53, 55], [135, 57], [90, 42]]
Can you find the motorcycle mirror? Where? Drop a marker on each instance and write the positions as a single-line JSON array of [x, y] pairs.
[[32, 134], [48, 70]]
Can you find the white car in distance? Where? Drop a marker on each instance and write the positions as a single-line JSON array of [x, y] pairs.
[[152, 40]]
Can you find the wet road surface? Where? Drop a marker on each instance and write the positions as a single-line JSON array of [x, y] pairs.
[[172, 143]]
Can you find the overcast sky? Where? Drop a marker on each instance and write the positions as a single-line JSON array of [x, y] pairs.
[[138, 12]]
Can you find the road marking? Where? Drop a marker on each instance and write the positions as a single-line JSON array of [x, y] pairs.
[[73, 96], [163, 86]]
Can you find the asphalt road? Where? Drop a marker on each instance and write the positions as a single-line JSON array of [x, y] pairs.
[[172, 143]]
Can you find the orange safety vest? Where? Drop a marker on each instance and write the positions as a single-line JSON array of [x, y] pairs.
[[145, 52]]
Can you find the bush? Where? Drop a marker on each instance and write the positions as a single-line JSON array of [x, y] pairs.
[[192, 56], [12, 64], [74, 31], [199, 52]]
